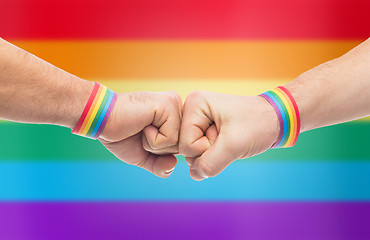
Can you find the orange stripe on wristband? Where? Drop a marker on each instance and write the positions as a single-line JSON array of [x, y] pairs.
[[287, 110], [96, 109], [298, 128], [292, 115], [90, 110], [87, 107]]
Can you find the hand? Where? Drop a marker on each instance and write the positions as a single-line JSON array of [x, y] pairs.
[[143, 130], [217, 129]]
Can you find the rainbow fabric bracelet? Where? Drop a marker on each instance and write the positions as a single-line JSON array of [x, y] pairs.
[[96, 112], [287, 110]]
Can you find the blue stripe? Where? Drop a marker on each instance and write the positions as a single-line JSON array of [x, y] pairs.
[[102, 115], [242, 181], [285, 121]]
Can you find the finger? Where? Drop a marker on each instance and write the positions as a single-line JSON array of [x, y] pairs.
[[214, 160], [212, 134], [178, 98], [193, 140], [131, 151], [160, 165], [189, 161], [163, 137], [163, 151], [164, 130]]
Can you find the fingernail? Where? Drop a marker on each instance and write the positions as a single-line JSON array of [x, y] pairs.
[[198, 174], [169, 171]]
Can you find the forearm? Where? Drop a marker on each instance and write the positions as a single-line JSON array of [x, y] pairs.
[[336, 91], [34, 91]]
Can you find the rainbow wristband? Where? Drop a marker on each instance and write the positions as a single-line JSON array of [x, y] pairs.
[[96, 112], [287, 110]]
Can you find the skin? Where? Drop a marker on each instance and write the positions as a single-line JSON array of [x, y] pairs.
[[143, 127], [212, 130], [217, 129]]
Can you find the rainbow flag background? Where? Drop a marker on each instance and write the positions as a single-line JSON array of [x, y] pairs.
[[55, 185]]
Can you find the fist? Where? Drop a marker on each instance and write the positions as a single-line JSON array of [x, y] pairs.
[[143, 130], [217, 129]]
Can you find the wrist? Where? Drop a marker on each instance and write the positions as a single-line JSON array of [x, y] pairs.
[[305, 89], [75, 92], [96, 112], [272, 125], [287, 111]]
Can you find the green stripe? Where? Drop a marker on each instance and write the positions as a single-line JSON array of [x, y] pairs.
[[24, 142], [286, 116], [101, 107]]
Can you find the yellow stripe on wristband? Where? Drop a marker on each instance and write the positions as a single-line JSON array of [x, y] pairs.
[[288, 114], [95, 110], [290, 109], [90, 111]]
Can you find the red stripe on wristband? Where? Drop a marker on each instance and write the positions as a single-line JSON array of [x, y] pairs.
[[287, 110], [96, 112], [296, 111], [86, 109]]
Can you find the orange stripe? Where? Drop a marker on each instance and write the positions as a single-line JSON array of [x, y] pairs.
[[159, 60]]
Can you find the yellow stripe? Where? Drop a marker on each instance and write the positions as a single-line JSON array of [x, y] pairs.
[[249, 86], [158, 60], [93, 114], [186, 86], [292, 117]]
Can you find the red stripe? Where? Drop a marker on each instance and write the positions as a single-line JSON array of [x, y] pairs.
[[297, 112], [87, 107], [184, 19]]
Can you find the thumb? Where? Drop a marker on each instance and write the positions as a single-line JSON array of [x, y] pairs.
[[213, 160]]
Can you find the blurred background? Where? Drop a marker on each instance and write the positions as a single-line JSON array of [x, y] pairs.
[[55, 185]]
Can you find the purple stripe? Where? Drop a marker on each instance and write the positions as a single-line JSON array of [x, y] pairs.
[[279, 116], [174, 220], [106, 116]]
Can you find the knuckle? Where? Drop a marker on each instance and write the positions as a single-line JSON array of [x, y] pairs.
[[195, 95], [173, 140], [194, 98], [175, 95], [185, 149], [172, 97]]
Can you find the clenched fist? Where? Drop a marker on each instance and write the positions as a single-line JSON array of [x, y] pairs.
[[217, 129], [143, 130]]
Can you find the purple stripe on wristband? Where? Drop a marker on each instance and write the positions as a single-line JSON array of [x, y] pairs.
[[279, 116], [106, 116]]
